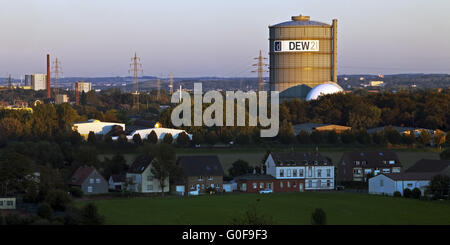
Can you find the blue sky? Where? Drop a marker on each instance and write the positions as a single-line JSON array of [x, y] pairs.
[[215, 37]]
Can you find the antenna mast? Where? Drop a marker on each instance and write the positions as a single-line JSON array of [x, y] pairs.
[[171, 84], [136, 69]]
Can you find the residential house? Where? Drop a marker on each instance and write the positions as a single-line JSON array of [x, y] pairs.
[[89, 180], [431, 166], [116, 182], [141, 179], [389, 183], [299, 171], [7, 203], [253, 183], [201, 172], [357, 166]]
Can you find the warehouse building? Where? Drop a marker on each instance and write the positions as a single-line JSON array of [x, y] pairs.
[[96, 126]]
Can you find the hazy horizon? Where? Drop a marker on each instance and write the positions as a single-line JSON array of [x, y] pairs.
[[214, 38]]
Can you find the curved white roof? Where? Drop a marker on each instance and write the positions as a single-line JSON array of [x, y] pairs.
[[326, 88]]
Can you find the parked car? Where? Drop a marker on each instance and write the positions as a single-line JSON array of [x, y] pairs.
[[265, 191], [340, 187]]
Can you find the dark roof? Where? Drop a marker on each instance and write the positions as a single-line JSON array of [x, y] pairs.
[[118, 177], [299, 158], [300, 23], [411, 176], [429, 165], [254, 177], [205, 165], [80, 175], [372, 158], [140, 164]]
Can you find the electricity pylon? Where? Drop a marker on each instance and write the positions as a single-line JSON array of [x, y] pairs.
[[58, 72], [260, 70], [136, 68]]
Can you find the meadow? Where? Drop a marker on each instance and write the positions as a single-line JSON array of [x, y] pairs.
[[284, 208]]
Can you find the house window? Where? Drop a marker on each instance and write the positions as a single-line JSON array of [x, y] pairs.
[[269, 185], [200, 178], [97, 181], [289, 184], [150, 187], [301, 173], [328, 172], [391, 162], [9, 203], [149, 178], [1, 203], [410, 185], [203, 186], [294, 172], [289, 173], [386, 170], [244, 186], [90, 188], [210, 178], [357, 163], [212, 185], [91, 180], [261, 185], [319, 173], [255, 185], [281, 184], [192, 187], [328, 183], [309, 183], [281, 172], [319, 183], [295, 184], [363, 162], [381, 182], [310, 172]]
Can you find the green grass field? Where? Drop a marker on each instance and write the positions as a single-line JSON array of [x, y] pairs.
[[284, 208]]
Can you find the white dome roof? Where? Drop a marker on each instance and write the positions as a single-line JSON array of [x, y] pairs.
[[322, 89]]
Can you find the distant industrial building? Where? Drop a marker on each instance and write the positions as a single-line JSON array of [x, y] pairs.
[[303, 55], [84, 86], [96, 126], [28, 79], [61, 98], [39, 82]]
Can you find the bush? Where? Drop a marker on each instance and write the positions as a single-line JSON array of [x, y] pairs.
[[58, 199], [319, 217], [44, 210], [168, 139], [1, 219], [13, 219], [76, 192], [407, 193], [397, 194], [90, 215], [416, 193], [137, 139]]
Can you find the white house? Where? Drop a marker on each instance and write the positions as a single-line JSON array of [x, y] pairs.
[[96, 126], [116, 182], [140, 178], [311, 170], [389, 183]]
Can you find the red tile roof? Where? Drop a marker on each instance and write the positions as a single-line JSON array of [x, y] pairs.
[[80, 175]]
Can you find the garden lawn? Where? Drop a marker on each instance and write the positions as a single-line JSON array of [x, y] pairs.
[[285, 209]]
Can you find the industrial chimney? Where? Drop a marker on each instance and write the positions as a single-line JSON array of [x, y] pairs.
[[48, 77], [77, 94]]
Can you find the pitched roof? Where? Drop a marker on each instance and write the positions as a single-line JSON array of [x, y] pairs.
[[204, 165], [80, 175], [411, 176], [140, 164], [372, 158], [299, 158], [254, 177], [429, 165], [118, 177]]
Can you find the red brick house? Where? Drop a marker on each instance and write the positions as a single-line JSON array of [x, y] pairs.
[[201, 172]]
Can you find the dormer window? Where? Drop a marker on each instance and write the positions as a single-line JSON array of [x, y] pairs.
[[391, 162]]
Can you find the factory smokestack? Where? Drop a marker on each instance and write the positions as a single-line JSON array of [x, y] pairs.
[[48, 77], [77, 94]]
